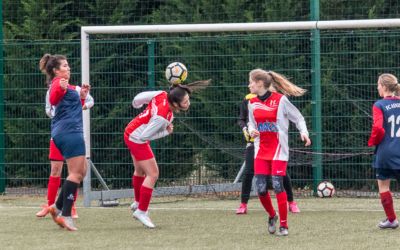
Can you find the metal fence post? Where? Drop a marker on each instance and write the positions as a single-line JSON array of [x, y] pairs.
[[2, 149], [316, 96]]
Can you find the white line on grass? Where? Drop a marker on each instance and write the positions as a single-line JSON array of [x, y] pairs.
[[208, 208]]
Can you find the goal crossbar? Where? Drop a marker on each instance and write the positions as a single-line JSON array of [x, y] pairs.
[[226, 27]]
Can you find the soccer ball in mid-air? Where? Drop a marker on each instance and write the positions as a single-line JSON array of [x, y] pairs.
[[325, 189], [176, 73]]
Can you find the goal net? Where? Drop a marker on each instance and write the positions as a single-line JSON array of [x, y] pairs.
[[206, 150]]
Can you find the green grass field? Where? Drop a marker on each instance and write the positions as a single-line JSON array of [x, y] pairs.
[[338, 223]]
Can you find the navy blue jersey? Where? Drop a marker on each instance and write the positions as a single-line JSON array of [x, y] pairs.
[[386, 133], [68, 112]]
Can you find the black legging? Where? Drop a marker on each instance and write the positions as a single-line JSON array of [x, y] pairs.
[[248, 174]]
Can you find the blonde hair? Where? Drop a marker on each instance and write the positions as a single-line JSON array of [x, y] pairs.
[[278, 81], [390, 82]]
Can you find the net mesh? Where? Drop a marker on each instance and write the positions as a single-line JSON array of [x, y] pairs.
[[207, 145]]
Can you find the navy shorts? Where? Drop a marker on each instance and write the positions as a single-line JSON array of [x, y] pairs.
[[387, 173], [70, 145]]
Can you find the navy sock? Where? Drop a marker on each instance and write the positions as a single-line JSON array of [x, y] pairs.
[[60, 199], [69, 191]]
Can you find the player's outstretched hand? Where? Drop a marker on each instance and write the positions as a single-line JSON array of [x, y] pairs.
[[86, 86], [64, 83], [306, 139], [170, 128], [84, 90]]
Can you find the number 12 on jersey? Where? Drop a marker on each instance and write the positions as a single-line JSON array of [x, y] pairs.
[[393, 120]]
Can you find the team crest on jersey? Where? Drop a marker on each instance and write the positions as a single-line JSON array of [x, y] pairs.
[[273, 103]]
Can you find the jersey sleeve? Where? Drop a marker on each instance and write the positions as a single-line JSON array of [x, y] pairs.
[[56, 92], [377, 131], [89, 101], [252, 125], [294, 115], [243, 114], [155, 129], [49, 108], [144, 98]]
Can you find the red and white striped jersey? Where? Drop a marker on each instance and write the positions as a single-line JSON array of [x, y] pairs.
[[271, 118], [152, 123]]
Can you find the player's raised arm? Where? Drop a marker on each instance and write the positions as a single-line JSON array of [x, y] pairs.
[[144, 98], [154, 122], [67, 134]]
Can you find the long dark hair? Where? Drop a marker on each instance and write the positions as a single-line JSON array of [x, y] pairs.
[[178, 91], [48, 63]]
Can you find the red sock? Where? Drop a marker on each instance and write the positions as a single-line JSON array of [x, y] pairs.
[[387, 203], [137, 182], [145, 197], [282, 208], [52, 189], [267, 204]]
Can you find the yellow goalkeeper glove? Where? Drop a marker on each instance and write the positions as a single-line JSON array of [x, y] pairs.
[[247, 135], [249, 96]]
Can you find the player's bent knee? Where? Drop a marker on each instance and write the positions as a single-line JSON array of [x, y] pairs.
[[261, 184], [77, 175], [277, 184], [55, 172], [153, 178]]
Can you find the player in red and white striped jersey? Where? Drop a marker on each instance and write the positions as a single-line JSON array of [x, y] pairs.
[[269, 116], [153, 123]]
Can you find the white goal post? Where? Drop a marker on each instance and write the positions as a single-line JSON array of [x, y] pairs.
[[86, 31]]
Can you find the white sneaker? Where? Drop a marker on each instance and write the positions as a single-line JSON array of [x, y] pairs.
[[387, 224], [283, 231], [134, 206], [143, 217], [66, 222]]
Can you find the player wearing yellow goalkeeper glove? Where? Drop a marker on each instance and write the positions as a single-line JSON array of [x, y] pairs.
[[249, 155], [243, 117]]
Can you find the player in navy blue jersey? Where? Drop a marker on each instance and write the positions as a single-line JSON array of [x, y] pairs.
[[385, 135], [67, 133]]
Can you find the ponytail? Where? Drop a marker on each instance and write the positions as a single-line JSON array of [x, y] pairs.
[[43, 62], [286, 87], [272, 80], [177, 92], [397, 91], [198, 85], [42, 66]]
